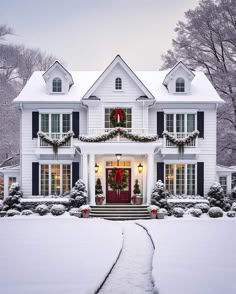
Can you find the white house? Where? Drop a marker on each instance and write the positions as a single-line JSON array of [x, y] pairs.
[[116, 116]]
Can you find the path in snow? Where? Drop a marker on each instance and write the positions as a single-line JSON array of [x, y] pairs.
[[133, 270]]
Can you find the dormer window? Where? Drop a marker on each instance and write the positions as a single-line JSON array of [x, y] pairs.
[[56, 85], [118, 84], [180, 85]]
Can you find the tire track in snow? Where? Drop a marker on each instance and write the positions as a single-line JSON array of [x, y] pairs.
[[133, 270]]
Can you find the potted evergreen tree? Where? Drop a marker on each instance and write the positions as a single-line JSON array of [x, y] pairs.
[[99, 192], [137, 197]]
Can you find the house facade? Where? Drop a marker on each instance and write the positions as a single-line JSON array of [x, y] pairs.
[[118, 124]]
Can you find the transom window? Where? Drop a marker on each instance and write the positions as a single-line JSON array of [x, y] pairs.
[[223, 183], [56, 85], [55, 123], [180, 85], [121, 163], [128, 121], [180, 178], [55, 179], [118, 84], [180, 123]]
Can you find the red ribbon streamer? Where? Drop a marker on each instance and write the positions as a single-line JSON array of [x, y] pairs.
[[116, 112], [118, 174]]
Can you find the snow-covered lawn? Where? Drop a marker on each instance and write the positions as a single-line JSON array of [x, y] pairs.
[[194, 255], [61, 255]]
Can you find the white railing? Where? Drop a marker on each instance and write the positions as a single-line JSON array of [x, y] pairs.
[[42, 143], [192, 143]]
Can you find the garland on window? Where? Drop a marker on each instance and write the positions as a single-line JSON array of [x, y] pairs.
[[117, 179], [118, 117], [181, 142], [121, 132], [55, 143]]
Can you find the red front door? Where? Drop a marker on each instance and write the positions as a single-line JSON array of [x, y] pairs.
[[118, 196]]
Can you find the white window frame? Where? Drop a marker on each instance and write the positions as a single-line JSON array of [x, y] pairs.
[[180, 92], [57, 92], [226, 183], [185, 120], [118, 90], [50, 118], [111, 108]]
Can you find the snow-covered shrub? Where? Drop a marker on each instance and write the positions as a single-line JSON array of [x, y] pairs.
[[216, 191], [163, 210], [215, 212], [12, 212], [78, 195], [196, 212], [233, 193], [203, 206], [42, 209], [233, 208], [178, 212], [85, 210], [1, 205], [75, 212], [27, 212], [159, 195], [13, 200], [231, 213], [58, 209]]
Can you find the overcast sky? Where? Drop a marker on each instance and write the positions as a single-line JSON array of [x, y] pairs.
[[88, 34]]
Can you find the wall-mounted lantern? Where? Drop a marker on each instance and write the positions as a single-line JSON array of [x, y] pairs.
[[140, 168], [96, 167]]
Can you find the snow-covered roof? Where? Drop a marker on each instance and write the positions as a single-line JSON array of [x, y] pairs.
[[202, 90], [222, 168]]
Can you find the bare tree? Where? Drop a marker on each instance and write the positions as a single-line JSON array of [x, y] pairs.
[[206, 40]]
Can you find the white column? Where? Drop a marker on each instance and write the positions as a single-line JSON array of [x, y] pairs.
[[92, 179], [150, 176], [85, 169]]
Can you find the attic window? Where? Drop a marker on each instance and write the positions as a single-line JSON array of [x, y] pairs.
[[118, 84], [180, 85], [56, 85]]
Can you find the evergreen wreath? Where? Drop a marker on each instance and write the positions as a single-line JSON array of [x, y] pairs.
[[181, 142], [118, 117], [118, 131], [118, 179], [55, 143]]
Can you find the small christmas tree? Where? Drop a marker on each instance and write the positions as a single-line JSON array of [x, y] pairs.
[[78, 195], [98, 187], [136, 190]]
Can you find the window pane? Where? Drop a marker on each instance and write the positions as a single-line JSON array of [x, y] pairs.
[[223, 183], [65, 123], [118, 84], [45, 122], [56, 85], [190, 122], [169, 178], [128, 122], [55, 123], [11, 180], [170, 123], [180, 123], [55, 179], [191, 179], [66, 176], [44, 179], [180, 85], [180, 179]]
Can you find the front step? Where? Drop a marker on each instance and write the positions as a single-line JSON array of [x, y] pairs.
[[120, 212]]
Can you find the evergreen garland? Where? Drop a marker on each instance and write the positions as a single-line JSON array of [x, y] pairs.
[[118, 183]]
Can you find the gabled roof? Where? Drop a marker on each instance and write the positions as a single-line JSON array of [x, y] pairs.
[[178, 65], [123, 64], [62, 68], [222, 168]]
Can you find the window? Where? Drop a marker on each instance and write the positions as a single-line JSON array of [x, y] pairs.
[[55, 123], [180, 85], [180, 178], [128, 122], [11, 180], [223, 183], [56, 85], [121, 163], [55, 179], [180, 123], [118, 84]]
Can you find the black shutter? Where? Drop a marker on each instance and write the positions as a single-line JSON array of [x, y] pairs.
[[200, 178], [35, 124], [160, 171], [200, 123], [75, 172], [75, 124], [160, 124], [35, 178]]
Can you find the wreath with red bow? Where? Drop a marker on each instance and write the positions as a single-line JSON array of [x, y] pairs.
[[118, 117], [117, 179]]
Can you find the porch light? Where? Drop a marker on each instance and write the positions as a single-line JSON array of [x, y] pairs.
[[96, 167], [140, 167], [118, 156]]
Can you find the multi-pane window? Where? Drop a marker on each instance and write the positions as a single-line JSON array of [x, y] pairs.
[[118, 84], [128, 121], [11, 180], [180, 122], [66, 122], [180, 85], [223, 183], [53, 123], [170, 123], [45, 122], [55, 179], [56, 85], [180, 178]]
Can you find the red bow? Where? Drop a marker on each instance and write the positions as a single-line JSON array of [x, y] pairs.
[[99, 198], [85, 211], [153, 211], [118, 174], [134, 199], [116, 112]]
